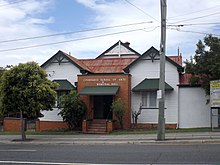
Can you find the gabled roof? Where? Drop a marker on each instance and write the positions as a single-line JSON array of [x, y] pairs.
[[153, 54], [176, 59], [107, 65], [60, 55], [126, 45], [185, 81]]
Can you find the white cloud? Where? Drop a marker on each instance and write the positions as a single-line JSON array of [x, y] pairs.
[[110, 13], [19, 21]]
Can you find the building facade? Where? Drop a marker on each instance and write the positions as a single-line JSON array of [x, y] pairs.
[[121, 72]]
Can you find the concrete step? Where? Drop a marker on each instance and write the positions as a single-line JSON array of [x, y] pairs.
[[97, 126]]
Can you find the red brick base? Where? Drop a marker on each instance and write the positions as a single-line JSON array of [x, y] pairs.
[[50, 125], [13, 124]]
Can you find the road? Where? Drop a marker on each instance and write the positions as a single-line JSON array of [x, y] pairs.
[[109, 154]]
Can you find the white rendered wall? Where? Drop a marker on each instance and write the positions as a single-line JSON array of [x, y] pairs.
[[148, 69], [51, 115], [63, 71], [194, 112], [55, 72]]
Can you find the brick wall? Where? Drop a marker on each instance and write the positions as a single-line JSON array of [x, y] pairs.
[[13, 124], [50, 125], [121, 80]]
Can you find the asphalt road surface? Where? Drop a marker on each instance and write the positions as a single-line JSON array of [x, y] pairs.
[[109, 154]]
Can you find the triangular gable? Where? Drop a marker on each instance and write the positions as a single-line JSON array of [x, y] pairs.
[[61, 57], [153, 54], [118, 50]]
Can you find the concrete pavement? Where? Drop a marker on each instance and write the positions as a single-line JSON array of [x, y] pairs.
[[90, 139]]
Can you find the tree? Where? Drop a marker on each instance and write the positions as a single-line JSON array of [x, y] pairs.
[[205, 65], [26, 89], [135, 115], [72, 109], [118, 107]]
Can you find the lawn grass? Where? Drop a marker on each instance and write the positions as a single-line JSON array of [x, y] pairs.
[[42, 133], [124, 132], [116, 132]]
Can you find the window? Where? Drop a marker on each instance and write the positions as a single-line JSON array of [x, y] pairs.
[[59, 96], [149, 99]]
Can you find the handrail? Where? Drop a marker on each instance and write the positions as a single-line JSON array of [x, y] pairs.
[[108, 114]]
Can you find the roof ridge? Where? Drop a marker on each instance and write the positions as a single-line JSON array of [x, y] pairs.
[[77, 61]]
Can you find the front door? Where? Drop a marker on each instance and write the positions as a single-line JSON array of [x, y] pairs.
[[102, 107]]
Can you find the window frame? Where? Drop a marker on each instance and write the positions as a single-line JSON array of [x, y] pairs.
[[59, 94], [146, 99]]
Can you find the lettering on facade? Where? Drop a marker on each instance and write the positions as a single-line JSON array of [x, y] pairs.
[[105, 81]]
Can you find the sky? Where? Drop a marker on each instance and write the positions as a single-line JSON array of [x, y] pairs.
[[34, 30]]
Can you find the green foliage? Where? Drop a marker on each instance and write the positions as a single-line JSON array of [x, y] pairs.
[[73, 109], [205, 66], [25, 88], [119, 108]]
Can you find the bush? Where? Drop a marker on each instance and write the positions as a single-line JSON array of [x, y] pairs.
[[73, 109], [118, 107]]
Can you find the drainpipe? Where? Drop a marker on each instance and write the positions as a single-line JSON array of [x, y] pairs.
[[178, 109]]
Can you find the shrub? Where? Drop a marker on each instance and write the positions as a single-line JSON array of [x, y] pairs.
[[73, 109], [118, 107]]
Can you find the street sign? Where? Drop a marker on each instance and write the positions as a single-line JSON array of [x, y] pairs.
[[215, 94]]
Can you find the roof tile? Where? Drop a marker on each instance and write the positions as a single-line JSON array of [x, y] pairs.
[[107, 65]]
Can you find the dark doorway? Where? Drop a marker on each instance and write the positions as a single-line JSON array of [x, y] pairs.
[[102, 107]]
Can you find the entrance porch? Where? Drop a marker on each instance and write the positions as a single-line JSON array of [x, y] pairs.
[[99, 115], [100, 118], [98, 91]]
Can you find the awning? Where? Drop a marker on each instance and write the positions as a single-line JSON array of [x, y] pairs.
[[64, 85], [99, 90], [150, 85]]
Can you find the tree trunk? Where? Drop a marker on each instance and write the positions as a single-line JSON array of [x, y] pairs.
[[23, 136]]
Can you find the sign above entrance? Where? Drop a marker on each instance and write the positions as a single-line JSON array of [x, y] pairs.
[[105, 81]]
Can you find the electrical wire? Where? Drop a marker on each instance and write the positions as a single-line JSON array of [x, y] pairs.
[[195, 24], [73, 32], [12, 3], [216, 6], [72, 40], [190, 19], [141, 10], [190, 31], [151, 29]]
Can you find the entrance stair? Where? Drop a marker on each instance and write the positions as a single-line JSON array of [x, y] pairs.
[[97, 126]]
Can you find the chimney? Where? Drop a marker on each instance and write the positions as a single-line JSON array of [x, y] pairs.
[[127, 44], [178, 51]]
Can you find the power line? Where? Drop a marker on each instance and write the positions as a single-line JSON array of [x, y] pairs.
[[73, 40], [151, 29], [197, 17], [195, 24], [190, 31], [141, 10], [72, 32], [194, 12], [12, 3]]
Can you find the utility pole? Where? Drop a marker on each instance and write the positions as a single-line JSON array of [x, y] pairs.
[[161, 119]]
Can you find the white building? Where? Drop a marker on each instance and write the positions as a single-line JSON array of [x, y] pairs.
[[185, 105]]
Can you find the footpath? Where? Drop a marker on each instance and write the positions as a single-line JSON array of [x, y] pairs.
[[92, 139]]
